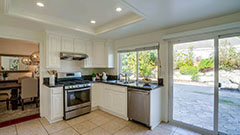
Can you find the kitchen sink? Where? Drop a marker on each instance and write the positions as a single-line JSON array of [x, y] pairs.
[[120, 82]]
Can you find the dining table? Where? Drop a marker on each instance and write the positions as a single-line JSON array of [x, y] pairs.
[[12, 85]]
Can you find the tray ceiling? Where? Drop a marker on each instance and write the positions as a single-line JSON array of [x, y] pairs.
[[137, 16], [76, 14]]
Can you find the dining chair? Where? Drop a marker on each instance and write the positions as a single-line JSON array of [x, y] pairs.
[[4, 97], [29, 89]]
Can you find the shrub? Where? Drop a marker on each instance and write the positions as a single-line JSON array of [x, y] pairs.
[[183, 58], [188, 70], [206, 64], [195, 77]]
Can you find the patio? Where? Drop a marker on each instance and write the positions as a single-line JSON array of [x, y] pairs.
[[193, 104]]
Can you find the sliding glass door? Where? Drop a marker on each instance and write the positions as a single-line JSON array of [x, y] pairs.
[[193, 83], [229, 88], [205, 85]]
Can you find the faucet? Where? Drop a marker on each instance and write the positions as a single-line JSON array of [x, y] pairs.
[[125, 76]]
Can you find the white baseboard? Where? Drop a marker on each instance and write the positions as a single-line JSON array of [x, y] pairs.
[[53, 121]]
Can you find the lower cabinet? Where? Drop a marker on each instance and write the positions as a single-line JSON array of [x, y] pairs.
[[110, 98], [95, 98], [120, 102], [53, 103]]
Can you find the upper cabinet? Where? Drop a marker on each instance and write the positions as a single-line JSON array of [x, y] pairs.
[[88, 63], [79, 46], [67, 44], [53, 48], [100, 52], [100, 55]]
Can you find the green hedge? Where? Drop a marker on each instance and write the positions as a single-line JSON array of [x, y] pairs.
[[188, 70]]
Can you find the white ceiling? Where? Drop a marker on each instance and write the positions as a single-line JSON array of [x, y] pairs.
[[157, 14], [75, 14]]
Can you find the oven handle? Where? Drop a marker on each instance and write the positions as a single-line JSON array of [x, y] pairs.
[[78, 89]]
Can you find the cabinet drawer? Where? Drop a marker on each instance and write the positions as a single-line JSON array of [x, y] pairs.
[[116, 88], [57, 90]]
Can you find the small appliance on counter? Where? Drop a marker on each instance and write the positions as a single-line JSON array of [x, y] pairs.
[[104, 77], [76, 94]]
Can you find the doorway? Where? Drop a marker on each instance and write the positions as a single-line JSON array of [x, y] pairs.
[[19, 80], [205, 85]]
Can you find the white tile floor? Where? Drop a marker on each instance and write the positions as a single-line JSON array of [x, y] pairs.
[[94, 123]]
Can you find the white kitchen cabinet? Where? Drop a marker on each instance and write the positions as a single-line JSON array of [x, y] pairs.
[[53, 103], [108, 99], [53, 48], [88, 62], [115, 100], [99, 54], [79, 46], [67, 44], [95, 91], [120, 102]]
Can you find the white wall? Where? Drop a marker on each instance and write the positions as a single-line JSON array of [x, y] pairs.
[[74, 66], [157, 36]]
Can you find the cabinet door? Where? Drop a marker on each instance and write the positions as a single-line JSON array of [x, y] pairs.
[[120, 103], [67, 44], [53, 47], [57, 106], [79, 46], [89, 50], [95, 95], [108, 99], [99, 59]]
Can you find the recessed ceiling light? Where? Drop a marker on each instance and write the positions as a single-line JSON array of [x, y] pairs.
[[118, 9], [93, 21], [40, 4]]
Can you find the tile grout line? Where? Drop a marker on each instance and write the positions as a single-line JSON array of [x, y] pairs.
[[74, 128], [43, 126], [16, 128]]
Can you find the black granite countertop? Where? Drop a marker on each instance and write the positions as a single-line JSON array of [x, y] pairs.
[[56, 85], [137, 85], [134, 84]]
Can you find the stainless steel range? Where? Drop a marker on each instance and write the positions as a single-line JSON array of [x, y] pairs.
[[77, 97]]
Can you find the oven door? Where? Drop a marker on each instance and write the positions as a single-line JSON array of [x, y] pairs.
[[77, 98]]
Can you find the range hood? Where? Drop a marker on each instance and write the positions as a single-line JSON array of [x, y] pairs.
[[72, 56]]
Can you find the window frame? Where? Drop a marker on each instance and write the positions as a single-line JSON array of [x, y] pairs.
[[137, 50]]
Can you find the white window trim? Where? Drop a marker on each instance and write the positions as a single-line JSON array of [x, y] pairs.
[[156, 47]]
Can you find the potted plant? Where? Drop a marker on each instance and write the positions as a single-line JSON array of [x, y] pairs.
[[93, 77], [5, 75]]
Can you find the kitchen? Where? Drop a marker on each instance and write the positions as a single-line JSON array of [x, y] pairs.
[[110, 74]]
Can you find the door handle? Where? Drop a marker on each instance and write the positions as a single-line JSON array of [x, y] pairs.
[[138, 92], [219, 85]]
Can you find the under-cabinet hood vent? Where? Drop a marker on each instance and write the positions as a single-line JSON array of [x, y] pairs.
[[72, 56]]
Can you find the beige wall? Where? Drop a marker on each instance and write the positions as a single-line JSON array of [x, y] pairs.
[[18, 47]]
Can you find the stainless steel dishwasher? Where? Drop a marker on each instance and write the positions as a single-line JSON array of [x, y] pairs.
[[139, 105]]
